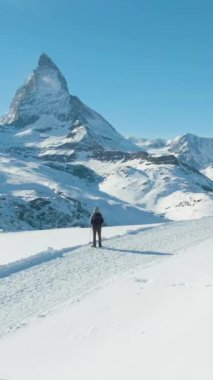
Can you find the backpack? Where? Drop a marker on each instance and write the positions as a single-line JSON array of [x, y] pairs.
[[97, 219]]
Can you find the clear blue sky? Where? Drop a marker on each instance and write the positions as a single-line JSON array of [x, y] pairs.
[[145, 65]]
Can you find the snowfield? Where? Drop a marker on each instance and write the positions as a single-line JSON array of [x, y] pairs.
[[141, 307]]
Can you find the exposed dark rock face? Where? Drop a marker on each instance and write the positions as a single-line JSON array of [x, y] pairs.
[[114, 156], [41, 213]]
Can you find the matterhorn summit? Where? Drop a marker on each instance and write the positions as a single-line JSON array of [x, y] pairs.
[[43, 103], [44, 92]]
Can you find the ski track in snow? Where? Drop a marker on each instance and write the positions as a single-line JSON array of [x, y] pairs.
[[33, 287]]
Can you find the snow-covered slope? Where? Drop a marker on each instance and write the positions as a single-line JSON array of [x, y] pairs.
[[208, 172], [36, 195], [77, 312], [170, 189], [129, 189]]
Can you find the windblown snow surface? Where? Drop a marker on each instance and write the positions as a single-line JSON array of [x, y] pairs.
[[139, 308]]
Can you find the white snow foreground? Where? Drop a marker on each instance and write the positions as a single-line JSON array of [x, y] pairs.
[[141, 307]]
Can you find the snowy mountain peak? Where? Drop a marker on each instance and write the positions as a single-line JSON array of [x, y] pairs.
[[43, 103], [44, 92], [194, 150], [47, 69], [46, 61]]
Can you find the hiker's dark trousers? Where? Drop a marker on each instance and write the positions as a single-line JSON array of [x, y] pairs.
[[96, 230]]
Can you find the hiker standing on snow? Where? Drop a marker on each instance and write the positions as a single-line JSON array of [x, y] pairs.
[[96, 221]]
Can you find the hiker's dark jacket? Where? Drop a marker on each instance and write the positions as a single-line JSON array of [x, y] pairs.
[[97, 219]]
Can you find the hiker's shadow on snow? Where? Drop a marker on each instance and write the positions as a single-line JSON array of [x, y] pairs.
[[152, 253]]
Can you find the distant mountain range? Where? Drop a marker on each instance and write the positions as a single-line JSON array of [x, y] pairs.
[[59, 158], [194, 150]]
